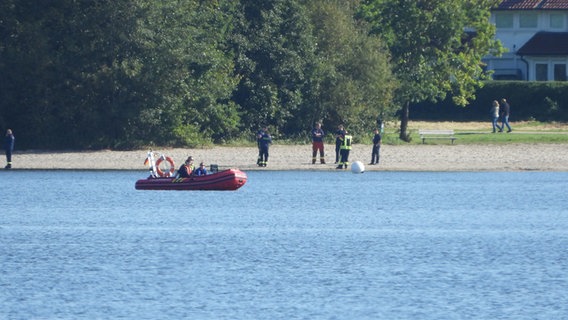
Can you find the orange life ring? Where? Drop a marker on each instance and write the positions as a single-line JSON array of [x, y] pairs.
[[167, 172]]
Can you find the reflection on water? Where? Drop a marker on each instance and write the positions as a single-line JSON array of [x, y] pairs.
[[288, 245]]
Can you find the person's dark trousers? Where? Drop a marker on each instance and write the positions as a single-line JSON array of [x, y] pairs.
[[8, 159], [375, 156], [337, 152], [263, 157], [344, 159]]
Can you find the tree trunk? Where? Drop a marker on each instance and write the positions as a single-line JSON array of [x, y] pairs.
[[404, 136]]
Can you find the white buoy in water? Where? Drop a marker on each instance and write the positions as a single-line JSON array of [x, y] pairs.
[[357, 167]]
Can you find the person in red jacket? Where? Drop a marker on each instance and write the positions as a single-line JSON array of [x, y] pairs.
[[317, 143]]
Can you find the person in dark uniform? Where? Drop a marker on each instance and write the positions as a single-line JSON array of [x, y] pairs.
[[338, 141], [317, 143], [376, 147], [344, 150], [9, 148], [264, 140]]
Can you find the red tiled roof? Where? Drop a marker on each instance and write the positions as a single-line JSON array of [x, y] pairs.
[[555, 4], [533, 5], [546, 44]]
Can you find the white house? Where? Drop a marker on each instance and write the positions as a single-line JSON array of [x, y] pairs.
[[535, 32]]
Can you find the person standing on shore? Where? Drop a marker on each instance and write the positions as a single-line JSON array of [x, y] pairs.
[[495, 115], [317, 143], [9, 148], [264, 140], [376, 147], [505, 109], [338, 141], [258, 137], [345, 148]]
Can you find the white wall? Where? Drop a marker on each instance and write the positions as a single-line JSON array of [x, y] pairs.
[[515, 28]]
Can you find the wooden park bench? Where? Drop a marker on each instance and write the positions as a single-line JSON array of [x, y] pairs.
[[436, 134]]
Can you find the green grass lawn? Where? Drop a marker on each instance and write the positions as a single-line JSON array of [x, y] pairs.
[[499, 138], [480, 133]]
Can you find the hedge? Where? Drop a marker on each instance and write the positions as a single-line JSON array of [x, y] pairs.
[[542, 101]]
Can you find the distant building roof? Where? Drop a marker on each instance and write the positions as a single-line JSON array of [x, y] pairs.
[[533, 5], [546, 44]]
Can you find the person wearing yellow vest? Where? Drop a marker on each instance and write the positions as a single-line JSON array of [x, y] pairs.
[[344, 150]]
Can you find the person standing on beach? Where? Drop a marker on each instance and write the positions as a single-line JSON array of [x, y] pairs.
[[9, 148], [495, 115], [505, 109], [264, 140], [317, 143], [376, 147], [338, 141], [344, 150]]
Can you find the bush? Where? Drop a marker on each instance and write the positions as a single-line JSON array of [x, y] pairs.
[[542, 101]]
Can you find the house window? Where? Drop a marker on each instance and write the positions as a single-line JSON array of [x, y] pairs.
[[541, 72], [528, 20], [560, 72], [503, 20], [556, 21]]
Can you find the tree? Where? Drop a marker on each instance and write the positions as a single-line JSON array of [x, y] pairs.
[[436, 47], [274, 48], [352, 82], [116, 74], [186, 61], [304, 61], [68, 68]]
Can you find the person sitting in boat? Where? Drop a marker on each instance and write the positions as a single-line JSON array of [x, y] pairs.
[[201, 171], [186, 169]]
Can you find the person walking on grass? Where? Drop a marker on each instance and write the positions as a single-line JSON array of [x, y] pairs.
[[317, 143], [9, 148], [495, 116], [505, 110]]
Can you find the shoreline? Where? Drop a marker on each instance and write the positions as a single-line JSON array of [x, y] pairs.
[[443, 157]]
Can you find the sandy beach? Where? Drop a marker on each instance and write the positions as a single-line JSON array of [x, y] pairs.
[[509, 157]]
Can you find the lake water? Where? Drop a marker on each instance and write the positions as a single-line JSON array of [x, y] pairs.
[[287, 245]]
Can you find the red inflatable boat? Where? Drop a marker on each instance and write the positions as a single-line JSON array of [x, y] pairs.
[[230, 179]]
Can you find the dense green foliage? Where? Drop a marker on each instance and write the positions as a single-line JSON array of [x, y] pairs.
[[134, 73], [116, 74], [542, 101], [126, 74]]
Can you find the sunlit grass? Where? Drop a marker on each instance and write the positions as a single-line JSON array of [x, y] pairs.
[[465, 132], [478, 133]]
